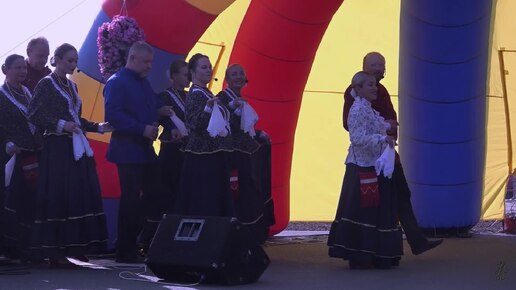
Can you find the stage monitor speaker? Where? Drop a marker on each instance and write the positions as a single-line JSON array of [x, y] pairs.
[[215, 250]]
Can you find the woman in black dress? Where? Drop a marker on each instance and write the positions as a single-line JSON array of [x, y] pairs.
[[23, 143], [69, 219], [249, 197], [366, 231], [170, 155], [204, 186]]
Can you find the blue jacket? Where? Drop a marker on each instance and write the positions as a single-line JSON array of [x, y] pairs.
[[130, 104]]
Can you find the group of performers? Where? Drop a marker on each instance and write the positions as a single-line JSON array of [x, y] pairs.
[[211, 161]]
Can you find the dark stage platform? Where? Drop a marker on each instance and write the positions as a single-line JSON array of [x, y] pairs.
[[301, 262]]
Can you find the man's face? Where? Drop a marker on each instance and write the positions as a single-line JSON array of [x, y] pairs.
[[375, 65], [142, 62], [38, 55]]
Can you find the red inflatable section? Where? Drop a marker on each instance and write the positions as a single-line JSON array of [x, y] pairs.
[[277, 43], [171, 25], [108, 172]]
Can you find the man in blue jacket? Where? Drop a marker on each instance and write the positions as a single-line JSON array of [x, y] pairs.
[[133, 108]]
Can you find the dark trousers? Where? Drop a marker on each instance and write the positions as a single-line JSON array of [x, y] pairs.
[[3, 160], [140, 207], [415, 236]]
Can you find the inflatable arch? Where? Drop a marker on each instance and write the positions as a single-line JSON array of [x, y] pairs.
[[443, 65]]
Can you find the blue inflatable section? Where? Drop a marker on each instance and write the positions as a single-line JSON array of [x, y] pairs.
[[442, 105], [88, 54]]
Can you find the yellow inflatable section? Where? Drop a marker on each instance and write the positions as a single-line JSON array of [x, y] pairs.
[[321, 142], [501, 110]]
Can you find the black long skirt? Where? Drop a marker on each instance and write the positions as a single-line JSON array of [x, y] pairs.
[[248, 197], [204, 187], [20, 199], [365, 234], [69, 219], [171, 164], [262, 165]]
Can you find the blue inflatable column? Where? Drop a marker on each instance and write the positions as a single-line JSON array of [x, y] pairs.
[[442, 103]]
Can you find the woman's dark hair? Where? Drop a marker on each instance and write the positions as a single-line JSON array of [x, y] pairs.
[[9, 61], [61, 52], [192, 63], [175, 66]]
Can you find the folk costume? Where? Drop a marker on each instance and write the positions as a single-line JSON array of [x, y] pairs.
[[69, 219], [415, 236], [204, 186], [20, 194], [170, 155], [250, 200], [365, 229]]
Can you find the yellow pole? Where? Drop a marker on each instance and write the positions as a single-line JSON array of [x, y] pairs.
[[216, 66], [503, 73]]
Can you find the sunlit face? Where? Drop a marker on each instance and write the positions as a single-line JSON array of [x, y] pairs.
[[235, 77], [18, 71], [202, 72], [142, 62], [68, 63], [375, 64], [38, 55], [180, 79], [368, 90]]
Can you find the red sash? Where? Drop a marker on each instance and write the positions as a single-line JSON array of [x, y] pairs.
[[369, 189], [29, 163], [233, 183]]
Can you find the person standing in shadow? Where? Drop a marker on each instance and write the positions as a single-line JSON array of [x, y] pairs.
[[374, 63]]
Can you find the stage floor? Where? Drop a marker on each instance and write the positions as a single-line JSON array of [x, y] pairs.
[[301, 262]]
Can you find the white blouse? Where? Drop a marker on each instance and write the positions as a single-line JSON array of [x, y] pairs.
[[367, 132]]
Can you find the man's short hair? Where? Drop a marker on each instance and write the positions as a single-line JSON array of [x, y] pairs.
[[35, 41], [140, 46], [371, 54]]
